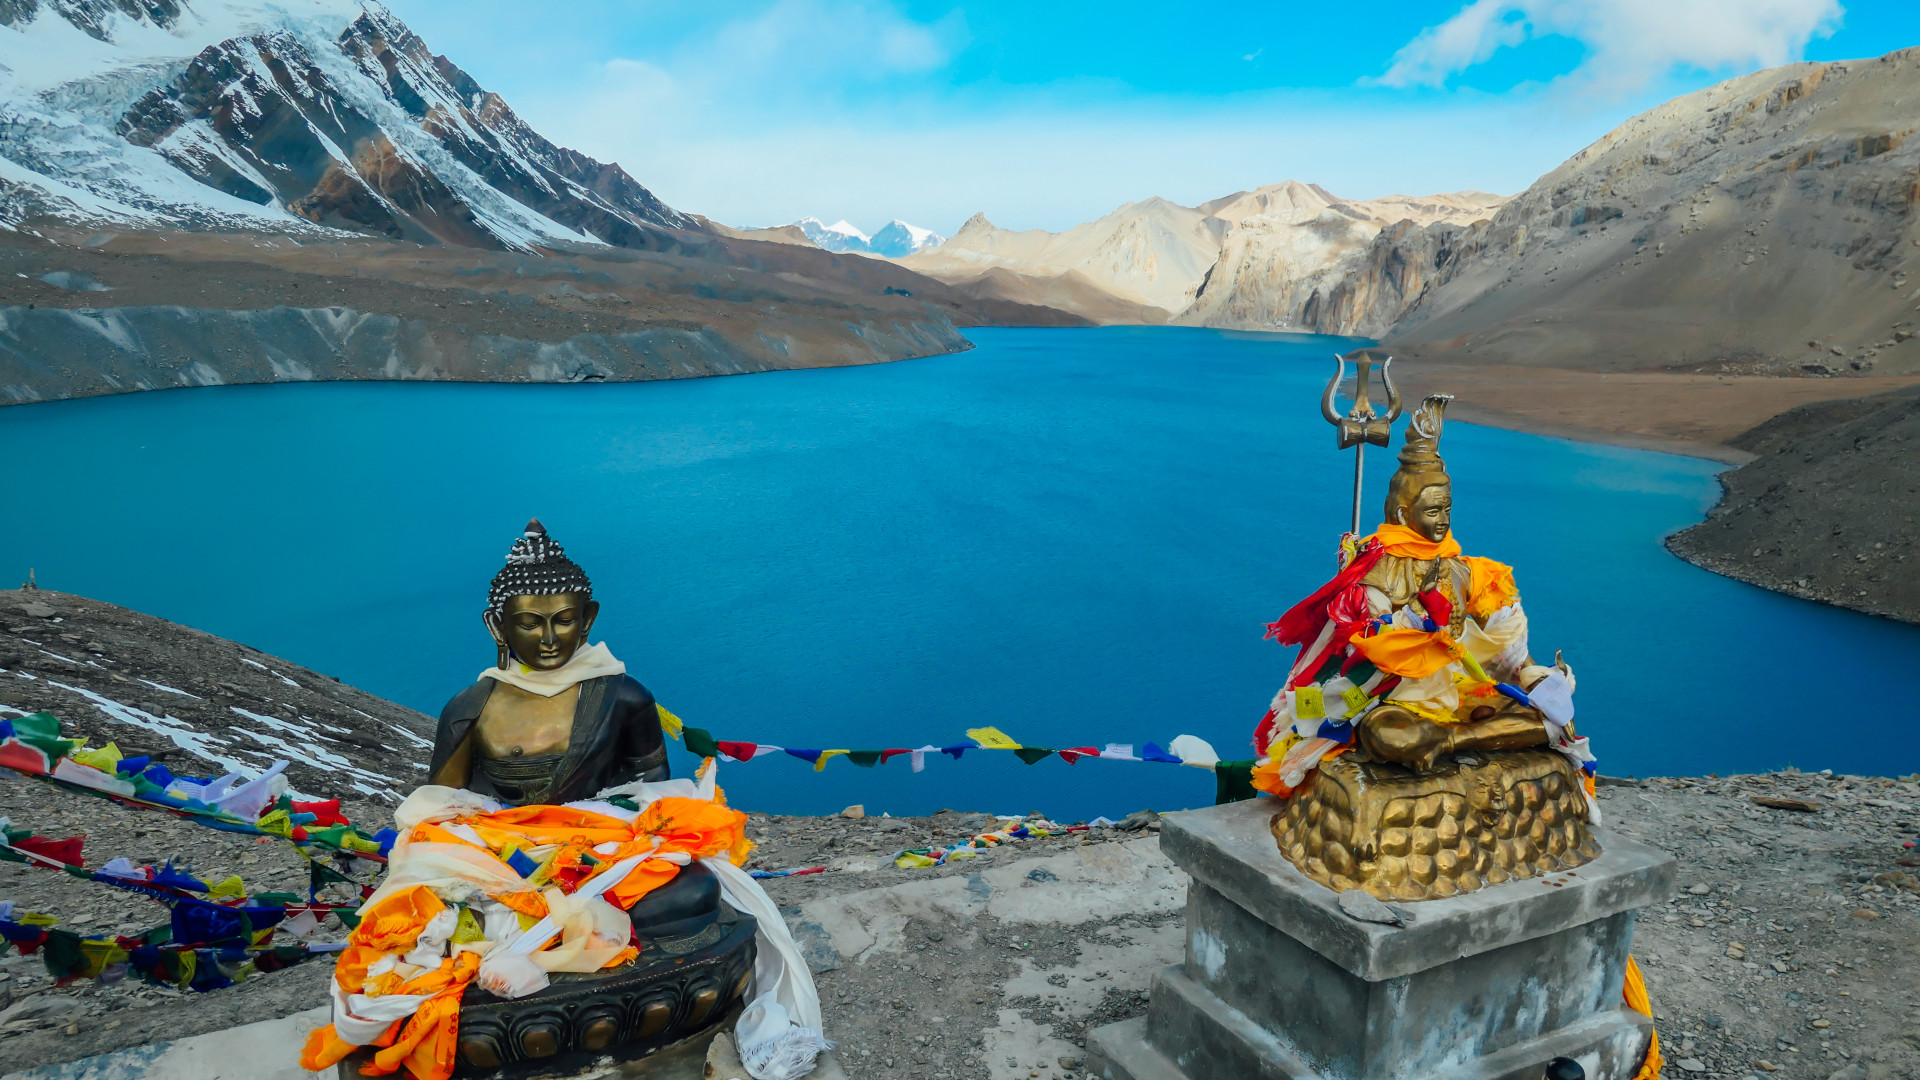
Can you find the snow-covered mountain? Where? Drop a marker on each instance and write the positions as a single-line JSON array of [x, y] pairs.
[[896, 240], [839, 236], [899, 239], [291, 115]]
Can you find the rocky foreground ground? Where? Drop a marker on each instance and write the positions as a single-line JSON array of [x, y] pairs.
[[1788, 952]]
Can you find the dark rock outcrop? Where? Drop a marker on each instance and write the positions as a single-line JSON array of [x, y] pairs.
[[1827, 511]]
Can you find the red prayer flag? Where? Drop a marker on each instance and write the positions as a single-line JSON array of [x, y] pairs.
[[66, 851], [739, 751], [888, 755], [325, 813], [1078, 752]]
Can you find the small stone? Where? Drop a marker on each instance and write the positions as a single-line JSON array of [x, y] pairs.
[[1850, 1072], [1138, 820], [37, 610], [1865, 913], [1777, 802], [1360, 904], [856, 811], [1700, 890], [1766, 1066], [1782, 966], [71, 1029], [1823, 1023], [1692, 1065], [1069, 1061]]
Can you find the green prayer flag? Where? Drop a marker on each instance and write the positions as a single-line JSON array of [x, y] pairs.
[[1233, 782], [55, 749], [319, 875], [623, 803], [700, 741], [41, 725], [1031, 754], [62, 954], [275, 899], [348, 918], [866, 759]]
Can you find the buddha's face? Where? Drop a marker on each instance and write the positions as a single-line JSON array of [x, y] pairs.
[[1431, 512], [544, 631]]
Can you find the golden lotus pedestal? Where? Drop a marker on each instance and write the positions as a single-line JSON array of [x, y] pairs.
[[1400, 835]]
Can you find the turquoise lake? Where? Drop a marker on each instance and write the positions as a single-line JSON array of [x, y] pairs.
[[1073, 535]]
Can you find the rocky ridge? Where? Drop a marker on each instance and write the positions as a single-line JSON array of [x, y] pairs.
[[1237, 261], [199, 704], [87, 313]]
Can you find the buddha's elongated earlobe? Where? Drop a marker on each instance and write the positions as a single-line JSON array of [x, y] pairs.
[[492, 620]]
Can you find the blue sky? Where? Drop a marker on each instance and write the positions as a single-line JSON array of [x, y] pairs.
[[1044, 115]]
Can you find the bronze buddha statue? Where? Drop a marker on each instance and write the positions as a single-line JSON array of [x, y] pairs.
[[556, 719]]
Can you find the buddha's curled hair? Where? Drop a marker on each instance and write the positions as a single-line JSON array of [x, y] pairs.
[[536, 566]]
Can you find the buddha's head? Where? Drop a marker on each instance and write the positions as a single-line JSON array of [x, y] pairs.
[[1420, 495], [541, 604]]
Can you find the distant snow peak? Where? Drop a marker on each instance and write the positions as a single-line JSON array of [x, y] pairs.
[[899, 239], [895, 240]]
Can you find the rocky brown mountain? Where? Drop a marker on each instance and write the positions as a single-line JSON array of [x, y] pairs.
[[1765, 225]]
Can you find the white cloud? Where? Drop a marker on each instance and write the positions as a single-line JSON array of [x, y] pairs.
[[1632, 43]]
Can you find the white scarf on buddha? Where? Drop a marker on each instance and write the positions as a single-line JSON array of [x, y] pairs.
[[591, 662]]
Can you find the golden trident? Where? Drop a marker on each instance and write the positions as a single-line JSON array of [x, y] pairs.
[[1361, 425]]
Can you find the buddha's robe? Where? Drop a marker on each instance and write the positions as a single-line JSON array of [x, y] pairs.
[[1407, 620]]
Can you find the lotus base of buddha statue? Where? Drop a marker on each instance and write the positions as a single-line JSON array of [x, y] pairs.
[[1471, 822], [678, 989]]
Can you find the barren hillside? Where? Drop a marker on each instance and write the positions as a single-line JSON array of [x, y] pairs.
[[1762, 226]]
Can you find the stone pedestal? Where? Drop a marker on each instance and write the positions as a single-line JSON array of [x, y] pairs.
[[1279, 983]]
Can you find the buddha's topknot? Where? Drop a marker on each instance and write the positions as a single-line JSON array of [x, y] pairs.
[[536, 566]]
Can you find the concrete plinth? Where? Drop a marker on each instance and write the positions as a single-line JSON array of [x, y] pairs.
[[1279, 983]]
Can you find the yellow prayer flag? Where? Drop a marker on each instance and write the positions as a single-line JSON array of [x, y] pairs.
[[1308, 704], [1356, 699], [669, 723], [97, 955], [909, 861], [992, 738], [232, 886], [821, 763], [467, 928], [106, 758], [34, 918], [279, 823]]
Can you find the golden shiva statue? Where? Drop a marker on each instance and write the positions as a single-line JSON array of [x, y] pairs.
[[1423, 750]]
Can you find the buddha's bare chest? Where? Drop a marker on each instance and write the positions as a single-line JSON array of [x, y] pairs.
[[515, 723]]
